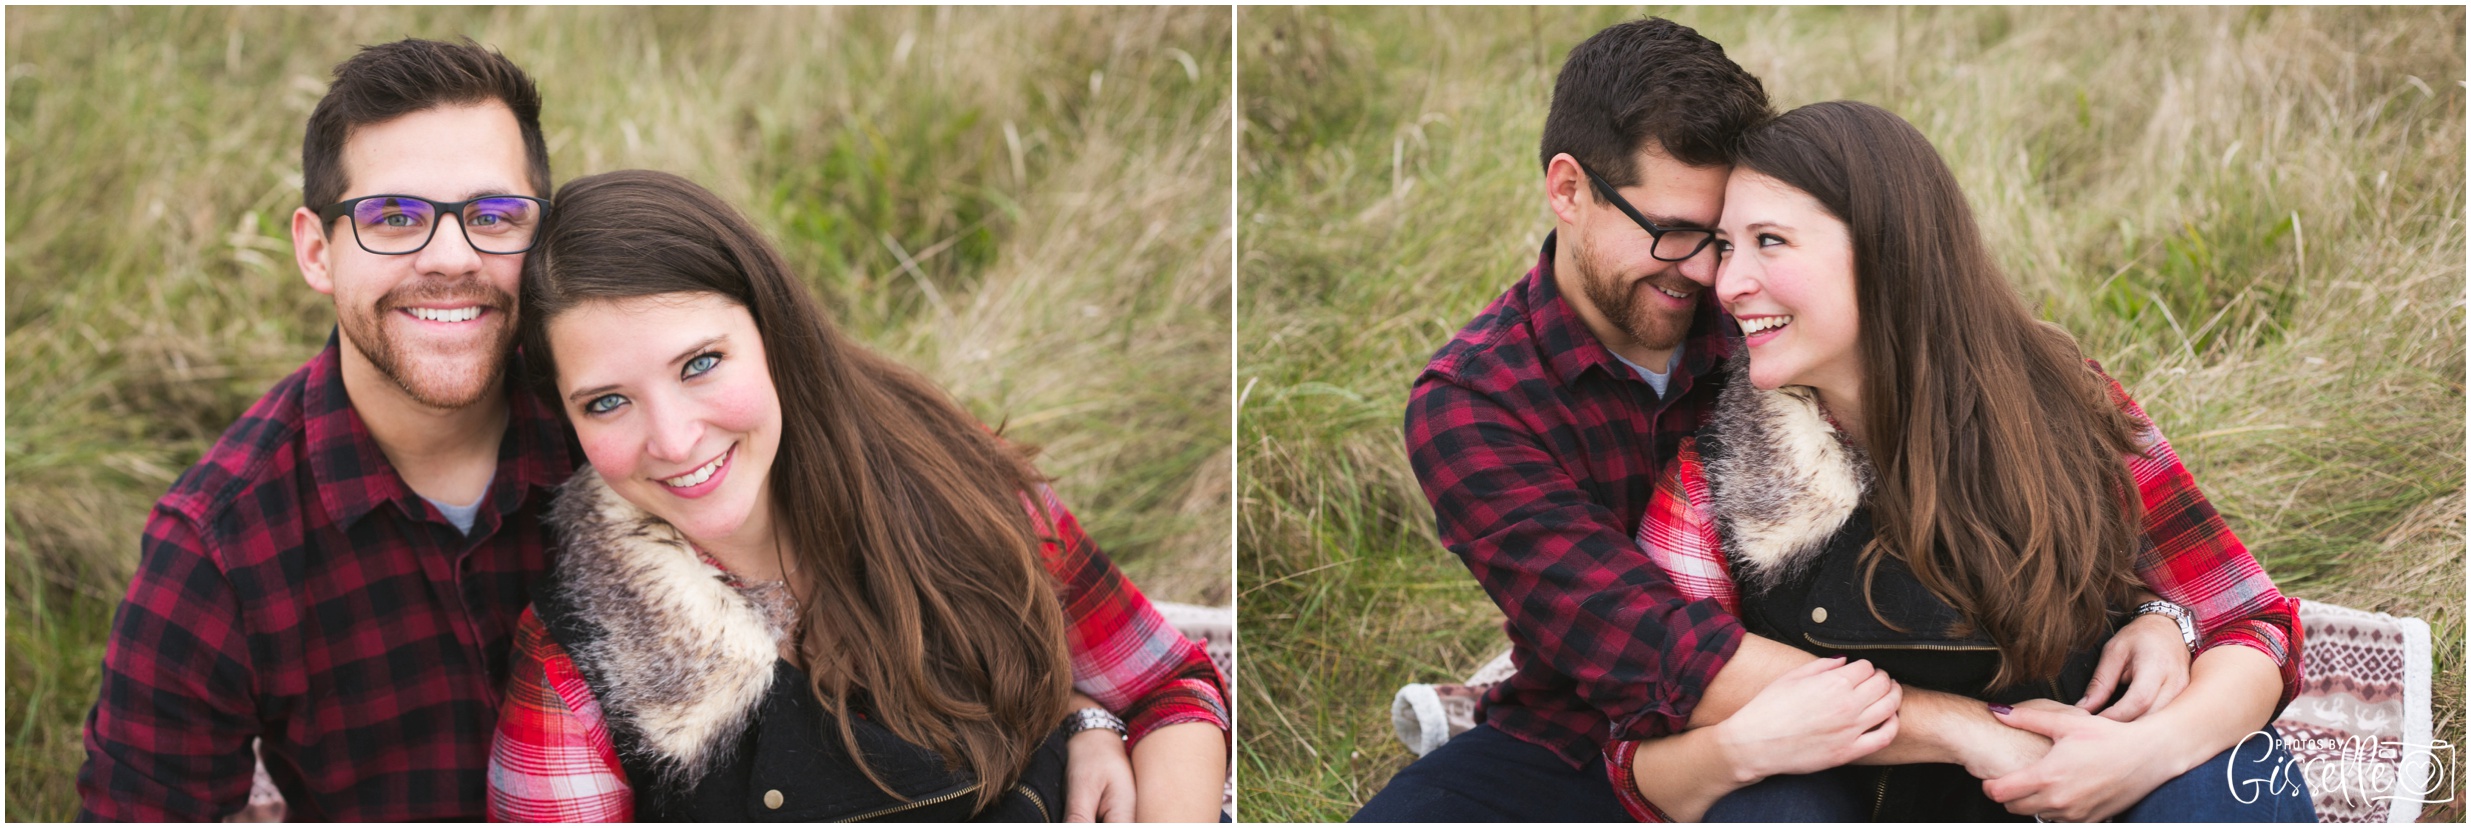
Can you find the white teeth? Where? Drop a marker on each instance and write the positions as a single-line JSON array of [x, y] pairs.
[[1765, 323], [1671, 293], [455, 315], [698, 476]]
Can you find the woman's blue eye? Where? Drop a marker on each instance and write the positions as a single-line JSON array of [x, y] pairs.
[[701, 364], [604, 404], [1770, 240]]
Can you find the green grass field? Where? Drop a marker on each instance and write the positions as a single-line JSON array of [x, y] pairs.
[[2253, 218], [1030, 205]]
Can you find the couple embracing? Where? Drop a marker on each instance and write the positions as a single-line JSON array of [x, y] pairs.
[[587, 511], [1798, 513]]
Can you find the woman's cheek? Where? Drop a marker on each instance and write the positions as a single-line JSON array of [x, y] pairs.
[[740, 408], [610, 451]]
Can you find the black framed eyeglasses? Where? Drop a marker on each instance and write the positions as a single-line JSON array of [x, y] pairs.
[[395, 225], [1672, 244]]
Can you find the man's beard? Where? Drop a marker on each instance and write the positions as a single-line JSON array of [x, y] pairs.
[[1649, 326], [434, 380]]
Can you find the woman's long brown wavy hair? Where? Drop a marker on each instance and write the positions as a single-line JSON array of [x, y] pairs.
[[922, 599], [1998, 448]]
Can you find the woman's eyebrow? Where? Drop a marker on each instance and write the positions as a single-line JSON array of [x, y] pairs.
[[698, 348], [589, 393], [689, 353]]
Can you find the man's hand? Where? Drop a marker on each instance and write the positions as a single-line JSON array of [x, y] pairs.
[[2096, 767], [1820, 715], [2150, 656]]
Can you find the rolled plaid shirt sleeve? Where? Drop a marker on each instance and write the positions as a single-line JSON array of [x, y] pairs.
[[2190, 558], [1577, 591], [168, 739], [552, 759], [1124, 654]]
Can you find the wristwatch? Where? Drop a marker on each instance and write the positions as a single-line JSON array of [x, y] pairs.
[[1093, 718], [2187, 623]]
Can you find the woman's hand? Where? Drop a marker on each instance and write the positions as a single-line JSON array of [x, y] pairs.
[[2150, 656], [1820, 715], [2097, 767], [1098, 774]]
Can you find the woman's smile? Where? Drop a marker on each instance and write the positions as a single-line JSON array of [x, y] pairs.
[[704, 479]]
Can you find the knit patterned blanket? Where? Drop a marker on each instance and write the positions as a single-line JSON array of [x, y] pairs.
[[2359, 728]]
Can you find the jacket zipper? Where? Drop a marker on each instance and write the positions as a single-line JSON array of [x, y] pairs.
[[1847, 645], [909, 806], [1880, 805], [1035, 799]]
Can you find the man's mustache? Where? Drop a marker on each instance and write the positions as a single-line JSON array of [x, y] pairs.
[[469, 292]]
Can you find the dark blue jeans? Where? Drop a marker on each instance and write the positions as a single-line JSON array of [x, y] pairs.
[[2255, 781], [1485, 775]]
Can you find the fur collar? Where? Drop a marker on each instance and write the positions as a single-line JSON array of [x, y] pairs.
[[678, 659], [1782, 478]]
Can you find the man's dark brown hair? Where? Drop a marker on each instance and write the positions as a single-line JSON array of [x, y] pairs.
[[1650, 80], [392, 80]]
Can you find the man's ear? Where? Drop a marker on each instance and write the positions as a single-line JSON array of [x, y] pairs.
[[309, 250], [1565, 188]]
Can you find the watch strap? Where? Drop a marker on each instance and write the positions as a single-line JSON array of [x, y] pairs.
[[2178, 614], [1093, 718]]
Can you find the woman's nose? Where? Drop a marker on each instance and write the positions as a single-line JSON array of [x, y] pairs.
[[674, 433], [1735, 278]]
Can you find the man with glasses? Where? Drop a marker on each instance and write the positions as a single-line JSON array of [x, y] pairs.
[[337, 579], [1538, 431]]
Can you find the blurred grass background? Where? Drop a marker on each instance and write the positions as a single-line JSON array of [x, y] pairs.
[[2252, 217], [1030, 205]]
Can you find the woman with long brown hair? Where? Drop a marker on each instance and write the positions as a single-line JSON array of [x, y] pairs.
[[798, 582], [1913, 479]]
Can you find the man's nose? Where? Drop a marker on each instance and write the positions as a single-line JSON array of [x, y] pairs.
[[449, 251], [1700, 267]]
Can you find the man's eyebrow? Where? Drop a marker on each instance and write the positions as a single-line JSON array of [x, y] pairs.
[[1675, 222], [468, 195]]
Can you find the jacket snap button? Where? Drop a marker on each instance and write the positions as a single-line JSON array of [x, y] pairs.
[[772, 799], [1818, 615]]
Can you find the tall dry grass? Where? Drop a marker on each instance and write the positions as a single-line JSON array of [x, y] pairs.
[[2252, 217], [1030, 205]]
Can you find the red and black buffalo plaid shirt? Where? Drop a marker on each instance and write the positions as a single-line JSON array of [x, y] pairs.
[[1539, 450], [292, 588]]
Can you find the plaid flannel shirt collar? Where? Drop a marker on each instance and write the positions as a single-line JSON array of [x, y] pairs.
[[353, 476], [1571, 350]]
